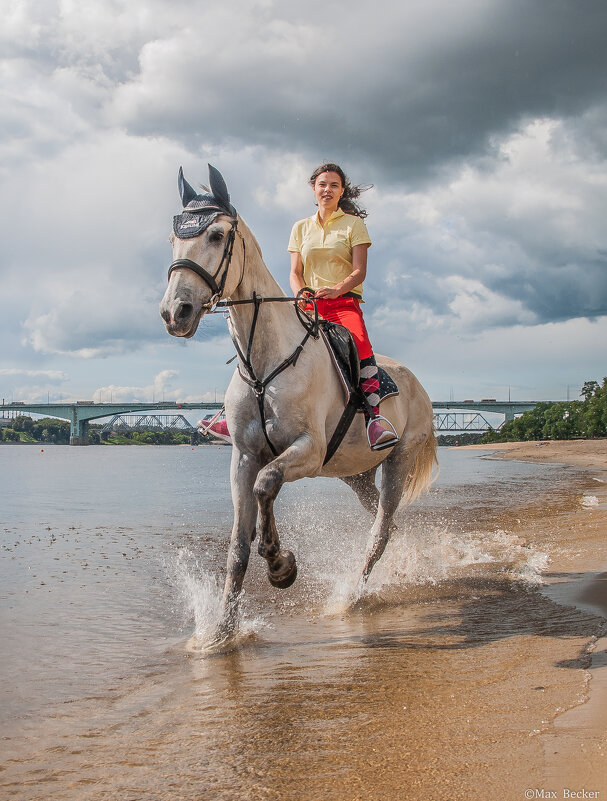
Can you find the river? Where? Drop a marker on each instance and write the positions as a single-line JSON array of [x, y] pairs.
[[443, 677]]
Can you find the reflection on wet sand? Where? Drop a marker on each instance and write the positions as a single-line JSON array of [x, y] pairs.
[[436, 696]]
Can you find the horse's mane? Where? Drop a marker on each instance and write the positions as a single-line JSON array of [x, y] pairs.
[[242, 223]]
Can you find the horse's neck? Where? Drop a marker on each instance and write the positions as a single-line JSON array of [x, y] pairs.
[[277, 330]]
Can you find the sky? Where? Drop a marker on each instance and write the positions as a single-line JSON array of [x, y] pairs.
[[480, 126]]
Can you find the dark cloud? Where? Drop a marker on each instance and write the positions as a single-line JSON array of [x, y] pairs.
[[368, 88], [481, 123]]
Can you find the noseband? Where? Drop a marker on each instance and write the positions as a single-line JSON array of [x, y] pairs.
[[211, 280]]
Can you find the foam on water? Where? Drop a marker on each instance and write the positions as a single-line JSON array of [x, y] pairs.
[[435, 553]]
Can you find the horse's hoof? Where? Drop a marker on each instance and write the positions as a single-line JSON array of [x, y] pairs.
[[286, 573]]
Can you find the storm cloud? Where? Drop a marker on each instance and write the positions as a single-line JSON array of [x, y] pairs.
[[480, 124]]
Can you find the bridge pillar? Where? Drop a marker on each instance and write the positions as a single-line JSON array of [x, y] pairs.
[[79, 430]]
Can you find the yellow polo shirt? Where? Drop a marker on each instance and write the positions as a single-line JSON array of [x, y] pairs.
[[326, 251]]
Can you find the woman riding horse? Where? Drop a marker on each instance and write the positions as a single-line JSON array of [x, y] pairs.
[[285, 400], [329, 262]]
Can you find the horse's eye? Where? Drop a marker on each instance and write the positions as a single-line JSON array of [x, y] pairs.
[[216, 235]]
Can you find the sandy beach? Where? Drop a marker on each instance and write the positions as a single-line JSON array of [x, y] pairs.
[[575, 749], [582, 453]]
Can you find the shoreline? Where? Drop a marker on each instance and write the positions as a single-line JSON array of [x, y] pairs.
[[590, 453], [575, 746]]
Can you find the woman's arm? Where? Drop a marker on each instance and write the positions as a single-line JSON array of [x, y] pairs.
[[296, 278], [356, 277]]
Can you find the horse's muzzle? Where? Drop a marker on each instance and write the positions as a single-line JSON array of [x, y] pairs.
[[180, 318]]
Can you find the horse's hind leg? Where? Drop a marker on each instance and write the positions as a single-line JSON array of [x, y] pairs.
[[363, 485], [395, 470]]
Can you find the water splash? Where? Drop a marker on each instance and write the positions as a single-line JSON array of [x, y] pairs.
[[201, 600], [432, 554], [440, 553]]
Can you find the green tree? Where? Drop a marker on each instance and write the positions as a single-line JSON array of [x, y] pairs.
[[23, 423], [589, 389], [562, 421], [595, 410]]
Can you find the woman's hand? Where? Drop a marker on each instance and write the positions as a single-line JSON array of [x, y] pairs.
[[306, 295], [328, 293]]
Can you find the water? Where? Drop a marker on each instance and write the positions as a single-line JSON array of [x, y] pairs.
[[111, 567]]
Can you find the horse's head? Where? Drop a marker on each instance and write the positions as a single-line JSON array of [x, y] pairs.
[[202, 271]]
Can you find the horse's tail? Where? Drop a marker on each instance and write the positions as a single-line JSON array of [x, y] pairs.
[[425, 470]]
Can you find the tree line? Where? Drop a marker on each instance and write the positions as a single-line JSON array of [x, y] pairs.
[[52, 431], [578, 419], [24, 429]]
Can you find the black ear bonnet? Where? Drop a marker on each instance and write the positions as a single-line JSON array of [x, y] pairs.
[[200, 210]]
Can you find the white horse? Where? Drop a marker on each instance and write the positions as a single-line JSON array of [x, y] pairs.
[[281, 420]]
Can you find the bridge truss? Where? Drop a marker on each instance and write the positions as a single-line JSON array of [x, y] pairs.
[[148, 422], [454, 422], [444, 422]]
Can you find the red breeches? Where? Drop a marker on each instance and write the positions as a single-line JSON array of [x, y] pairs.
[[347, 312]]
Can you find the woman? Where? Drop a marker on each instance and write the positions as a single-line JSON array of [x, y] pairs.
[[329, 259]]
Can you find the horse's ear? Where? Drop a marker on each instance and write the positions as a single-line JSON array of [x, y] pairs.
[[219, 190], [185, 190]]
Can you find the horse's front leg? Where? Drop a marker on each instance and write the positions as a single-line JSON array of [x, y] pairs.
[[243, 472], [294, 463]]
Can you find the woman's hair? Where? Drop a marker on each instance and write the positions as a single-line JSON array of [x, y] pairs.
[[351, 193]]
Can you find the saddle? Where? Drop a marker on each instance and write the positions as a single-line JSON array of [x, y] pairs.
[[342, 349]]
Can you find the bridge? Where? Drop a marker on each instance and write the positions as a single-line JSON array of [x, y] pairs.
[[81, 412], [448, 419]]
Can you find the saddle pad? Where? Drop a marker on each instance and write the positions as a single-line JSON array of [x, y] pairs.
[[387, 385]]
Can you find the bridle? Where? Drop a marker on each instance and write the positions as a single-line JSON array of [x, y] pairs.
[[211, 280], [216, 303]]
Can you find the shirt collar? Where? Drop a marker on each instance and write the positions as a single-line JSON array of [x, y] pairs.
[[334, 216]]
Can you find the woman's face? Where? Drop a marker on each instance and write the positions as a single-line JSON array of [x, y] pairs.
[[328, 190]]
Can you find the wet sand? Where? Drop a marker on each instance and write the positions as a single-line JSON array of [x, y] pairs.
[[575, 747]]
